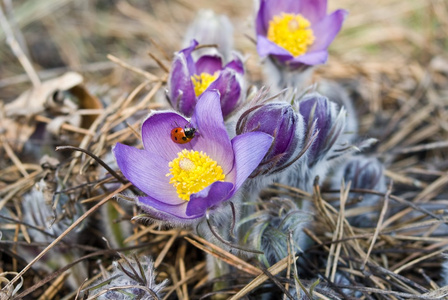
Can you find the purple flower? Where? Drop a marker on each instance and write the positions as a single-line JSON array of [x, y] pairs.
[[284, 124], [182, 181], [189, 78], [296, 33]]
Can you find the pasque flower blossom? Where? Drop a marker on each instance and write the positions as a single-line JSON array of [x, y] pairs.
[[296, 32], [189, 78], [183, 181]]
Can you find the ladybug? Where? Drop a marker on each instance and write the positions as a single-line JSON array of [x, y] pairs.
[[181, 135]]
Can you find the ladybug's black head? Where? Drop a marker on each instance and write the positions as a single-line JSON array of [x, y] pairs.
[[189, 132]]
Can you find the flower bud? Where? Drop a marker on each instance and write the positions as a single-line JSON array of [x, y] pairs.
[[339, 95], [325, 140], [327, 120], [274, 223], [364, 173], [209, 28], [132, 278], [284, 124]]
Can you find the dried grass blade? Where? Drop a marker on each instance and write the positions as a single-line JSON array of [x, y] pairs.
[[274, 270], [223, 255]]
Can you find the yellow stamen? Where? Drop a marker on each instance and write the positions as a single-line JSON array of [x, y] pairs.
[[202, 81], [291, 32], [192, 171]]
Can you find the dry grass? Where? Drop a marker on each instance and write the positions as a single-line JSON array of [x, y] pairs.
[[391, 57]]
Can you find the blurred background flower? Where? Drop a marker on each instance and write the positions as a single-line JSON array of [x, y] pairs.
[[294, 35]]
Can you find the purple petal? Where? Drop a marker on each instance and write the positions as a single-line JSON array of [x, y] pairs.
[[156, 134], [285, 6], [189, 59], [210, 196], [152, 206], [249, 149], [147, 171], [271, 8], [236, 64], [310, 58], [326, 30], [317, 109], [265, 47], [230, 89], [286, 141], [208, 64], [313, 10], [212, 135], [262, 22], [181, 90]]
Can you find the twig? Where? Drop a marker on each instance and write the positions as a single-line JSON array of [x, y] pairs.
[[125, 65], [97, 159], [65, 126], [159, 62], [13, 156]]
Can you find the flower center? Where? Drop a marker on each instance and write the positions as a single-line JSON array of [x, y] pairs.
[[291, 32], [202, 81], [192, 171]]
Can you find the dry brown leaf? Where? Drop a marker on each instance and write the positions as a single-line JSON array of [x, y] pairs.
[[60, 98]]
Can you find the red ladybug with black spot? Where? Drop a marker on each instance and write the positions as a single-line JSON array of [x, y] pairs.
[[181, 135]]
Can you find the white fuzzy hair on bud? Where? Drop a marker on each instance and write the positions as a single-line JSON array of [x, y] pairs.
[[130, 279]]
